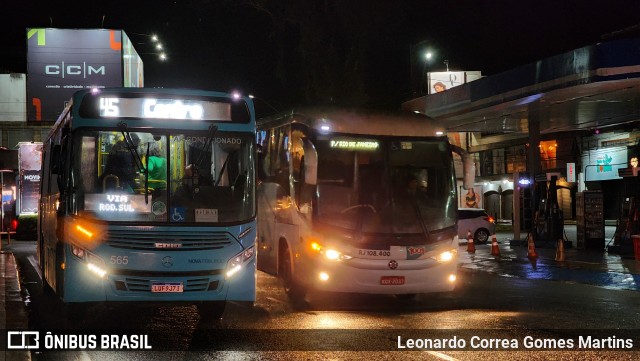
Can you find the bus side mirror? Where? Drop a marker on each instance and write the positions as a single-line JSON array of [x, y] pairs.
[[469, 167], [310, 163]]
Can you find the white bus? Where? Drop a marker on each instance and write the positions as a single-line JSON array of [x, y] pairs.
[[356, 201]]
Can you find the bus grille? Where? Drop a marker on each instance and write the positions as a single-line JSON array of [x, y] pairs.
[[191, 285], [168, 241]]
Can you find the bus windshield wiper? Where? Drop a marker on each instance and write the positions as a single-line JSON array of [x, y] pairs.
[[210, 134], [423, 224], [133, 149], [131, 146]]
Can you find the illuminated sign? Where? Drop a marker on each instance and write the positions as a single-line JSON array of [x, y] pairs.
[[154, 108], [603, 164], [354, 144], [571, 172], [116, 203], [62, 61]]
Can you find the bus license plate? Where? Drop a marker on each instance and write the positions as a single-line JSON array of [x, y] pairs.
[[167, 287], [392, 280], [374, 253]]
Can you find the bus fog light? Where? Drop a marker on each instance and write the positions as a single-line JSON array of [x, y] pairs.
[[452, 278], [323, 276]]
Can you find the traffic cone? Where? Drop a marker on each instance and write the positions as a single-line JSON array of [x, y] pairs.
[[495, 250], [471, 247], [531, 253], [560, 251]]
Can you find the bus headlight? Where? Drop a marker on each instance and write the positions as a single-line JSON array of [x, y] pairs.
[[94, 263], [329, 253], [96, 270], [237, 262], [447, 256]]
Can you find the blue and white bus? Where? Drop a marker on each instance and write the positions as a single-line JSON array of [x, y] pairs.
[[358, 201], [149, 195]]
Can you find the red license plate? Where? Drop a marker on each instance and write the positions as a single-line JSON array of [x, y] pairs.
[[392, 280], [173, 287]]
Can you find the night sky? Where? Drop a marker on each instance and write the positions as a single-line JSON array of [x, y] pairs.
[[291, 52]]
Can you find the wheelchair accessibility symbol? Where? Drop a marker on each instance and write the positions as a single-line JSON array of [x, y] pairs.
[[178, 214]]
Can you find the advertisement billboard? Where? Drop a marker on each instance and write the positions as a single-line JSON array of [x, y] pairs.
[[441, 81], [470, 198], [63, 61], [603, 164], [30, 163]]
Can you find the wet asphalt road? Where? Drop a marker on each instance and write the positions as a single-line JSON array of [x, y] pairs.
[[485, 305]]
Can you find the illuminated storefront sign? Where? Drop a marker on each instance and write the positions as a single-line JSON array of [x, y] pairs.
[[603, 164]]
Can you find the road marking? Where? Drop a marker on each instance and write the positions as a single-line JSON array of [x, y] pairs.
[[441, 355]]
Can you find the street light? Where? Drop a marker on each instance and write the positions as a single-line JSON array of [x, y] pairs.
[[154, 39], [420, 52], [264, 101], [428, 55]]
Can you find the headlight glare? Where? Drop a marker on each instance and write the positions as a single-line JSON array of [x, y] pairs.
[[447, 256], [236, 263]]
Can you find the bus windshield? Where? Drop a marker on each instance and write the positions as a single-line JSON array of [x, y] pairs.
[[171, 176], [385, 185]]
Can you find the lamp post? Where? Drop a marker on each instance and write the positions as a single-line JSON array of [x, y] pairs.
[[428, 55], [420, 52], [157, 45], [265, 102]]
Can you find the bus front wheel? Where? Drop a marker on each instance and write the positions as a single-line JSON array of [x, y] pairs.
[[291, 287]]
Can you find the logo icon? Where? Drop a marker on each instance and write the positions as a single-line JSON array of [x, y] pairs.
[[393, 264], [167, 261], [178, 214], [21, 340]]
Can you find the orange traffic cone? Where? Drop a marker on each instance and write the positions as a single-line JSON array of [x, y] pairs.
[[560, 251], [531, 253], [471, 247], [495, 250]]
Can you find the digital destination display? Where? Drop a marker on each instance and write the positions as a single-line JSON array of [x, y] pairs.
[[163, 108], [116, 203], [354, 144]]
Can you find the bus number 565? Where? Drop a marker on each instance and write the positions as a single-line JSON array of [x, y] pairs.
[[119, 260]]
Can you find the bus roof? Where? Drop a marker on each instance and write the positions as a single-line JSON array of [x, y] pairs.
[[358, 121]]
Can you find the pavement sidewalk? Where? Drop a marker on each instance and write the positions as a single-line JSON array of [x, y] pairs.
[[13, 316], [579, 266]]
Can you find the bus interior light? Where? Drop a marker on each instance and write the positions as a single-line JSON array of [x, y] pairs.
[[452, 278]]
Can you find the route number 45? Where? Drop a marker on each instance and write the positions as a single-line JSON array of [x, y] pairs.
[[119, 259]]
